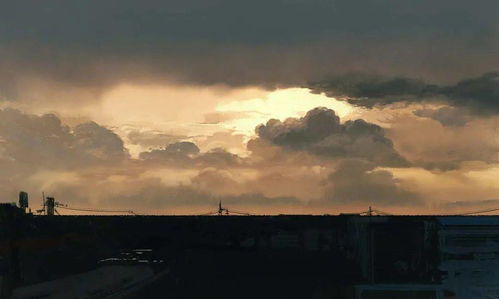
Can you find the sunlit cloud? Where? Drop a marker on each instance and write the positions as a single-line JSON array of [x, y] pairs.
[[279, 104]]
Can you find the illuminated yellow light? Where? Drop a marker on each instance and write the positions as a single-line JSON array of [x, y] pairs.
[[182, 110], [279, 104]]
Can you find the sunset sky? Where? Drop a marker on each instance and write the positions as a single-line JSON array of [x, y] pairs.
[[275, 106]]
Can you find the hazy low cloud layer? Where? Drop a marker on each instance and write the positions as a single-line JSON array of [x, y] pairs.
[[359, 181], [443, 138], [88, 165], [311, 164]]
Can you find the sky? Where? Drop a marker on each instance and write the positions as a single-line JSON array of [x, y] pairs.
[[273, 107]]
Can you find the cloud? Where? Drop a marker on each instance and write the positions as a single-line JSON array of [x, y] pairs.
[[150, 195], [219, 157], [309, 164], [478, 205], [320, 132], [187, 154], [69, 54], [233, 142], [182, 148], [220, 117], [374, 87], [99, 142], [447, 116], [427, 143], [359, 181], [178, 153], [43, 141], [35, 149], [480, 94], [46, 54], [154, 139]]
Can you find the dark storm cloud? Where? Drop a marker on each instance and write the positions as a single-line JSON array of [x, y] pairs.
[[320, 132], [374, 89], [480, 94], [97, 22], [97, 44]]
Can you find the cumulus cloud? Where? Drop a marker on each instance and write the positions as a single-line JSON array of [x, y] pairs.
[[87, 166], [43, 141], [321, 133], [34, 149]]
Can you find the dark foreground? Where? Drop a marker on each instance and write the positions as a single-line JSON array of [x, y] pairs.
[[252, 256]]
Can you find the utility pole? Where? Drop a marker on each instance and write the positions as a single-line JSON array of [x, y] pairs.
[[222, 210], [370, 236]]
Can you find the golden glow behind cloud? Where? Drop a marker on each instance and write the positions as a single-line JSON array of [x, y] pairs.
[[183, 110], [279, 104]]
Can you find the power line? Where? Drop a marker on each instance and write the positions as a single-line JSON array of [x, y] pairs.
[[98, 210], [209, 213], [225, 211], [478, 212], [382, 213], [379, 212], [240, 213]]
